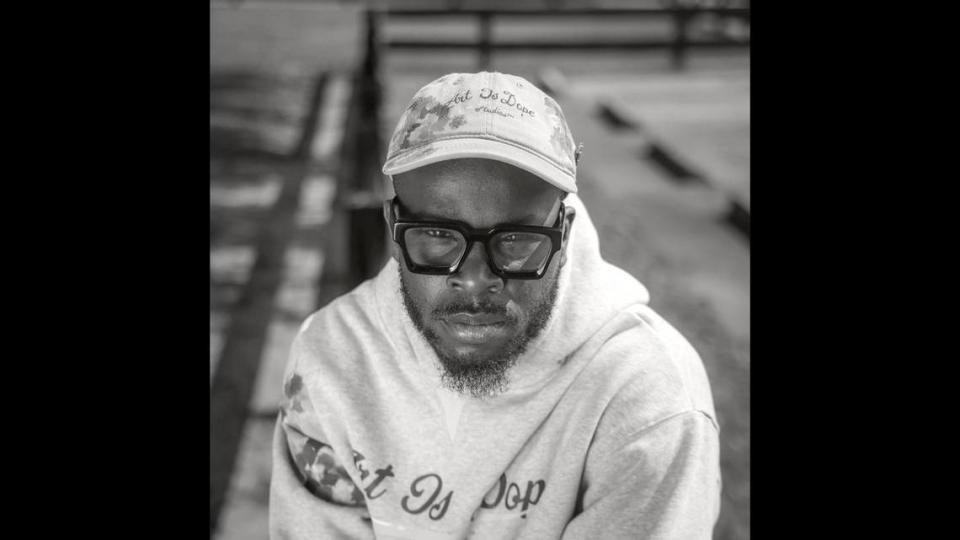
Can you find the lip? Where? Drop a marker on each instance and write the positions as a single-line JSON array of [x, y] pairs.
[[475, 319], [476, 329]]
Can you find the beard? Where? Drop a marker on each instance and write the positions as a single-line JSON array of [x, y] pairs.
[[477, 374]]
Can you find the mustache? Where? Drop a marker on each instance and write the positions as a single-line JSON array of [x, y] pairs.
[[475, 307]]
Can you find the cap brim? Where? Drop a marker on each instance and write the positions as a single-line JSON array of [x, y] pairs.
[[481, 148]]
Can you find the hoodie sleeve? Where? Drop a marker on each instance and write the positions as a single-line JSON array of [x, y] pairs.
[[311, 493], [662, 482]]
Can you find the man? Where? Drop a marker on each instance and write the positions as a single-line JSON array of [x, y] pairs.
[[497, 379]]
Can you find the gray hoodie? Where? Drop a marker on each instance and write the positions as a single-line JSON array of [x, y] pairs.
[[607, 429]]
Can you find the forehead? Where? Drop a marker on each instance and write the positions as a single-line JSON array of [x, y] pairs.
[[480, 192]]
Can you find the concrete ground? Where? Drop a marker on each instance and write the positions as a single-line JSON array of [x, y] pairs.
[[271, 200], [278, 92], [673, 234], [251, 222]]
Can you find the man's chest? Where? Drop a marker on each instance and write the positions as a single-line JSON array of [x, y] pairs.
[[494, 477]]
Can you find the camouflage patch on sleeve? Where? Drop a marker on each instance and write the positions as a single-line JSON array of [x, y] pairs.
[[293, 385], [323, 476], [292, 389]]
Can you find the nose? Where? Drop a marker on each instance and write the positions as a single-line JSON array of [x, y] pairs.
[[475, 276]]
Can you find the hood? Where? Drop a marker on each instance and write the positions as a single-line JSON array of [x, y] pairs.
[[591, 291]]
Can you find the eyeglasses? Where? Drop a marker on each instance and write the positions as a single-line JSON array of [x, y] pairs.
[[440, 247]]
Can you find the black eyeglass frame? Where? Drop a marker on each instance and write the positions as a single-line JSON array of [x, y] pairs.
[[400, 226]]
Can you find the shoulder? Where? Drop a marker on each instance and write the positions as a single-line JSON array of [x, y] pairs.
[[652, 372], [329, 338]]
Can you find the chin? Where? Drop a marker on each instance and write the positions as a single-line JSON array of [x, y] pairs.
[[468, 355]]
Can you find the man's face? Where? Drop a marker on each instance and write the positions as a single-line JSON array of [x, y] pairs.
[[477, 322]]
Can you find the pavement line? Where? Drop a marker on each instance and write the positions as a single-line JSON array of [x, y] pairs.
[[229, 266], [316, 201], [334, 113], [218, 323], [260, 194], [312, 123], [278, 141], [245, 514]]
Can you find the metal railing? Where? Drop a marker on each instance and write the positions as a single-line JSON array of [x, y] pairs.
[[677, 45]]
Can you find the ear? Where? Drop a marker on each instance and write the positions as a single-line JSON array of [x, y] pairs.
[[567, 225], [388, 223]]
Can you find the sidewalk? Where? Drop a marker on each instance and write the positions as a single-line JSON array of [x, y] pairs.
[[674, 233], [269, 209], [701, 120], [278, 90]]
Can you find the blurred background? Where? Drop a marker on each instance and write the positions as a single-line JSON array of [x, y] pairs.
[[303, 96]]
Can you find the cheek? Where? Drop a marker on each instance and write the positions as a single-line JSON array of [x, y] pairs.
[[425, 290], [529, 294]]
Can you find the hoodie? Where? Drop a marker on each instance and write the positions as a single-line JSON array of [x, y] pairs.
[[606, 430]]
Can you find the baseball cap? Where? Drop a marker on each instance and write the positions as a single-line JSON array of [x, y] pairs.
[[485, 115]]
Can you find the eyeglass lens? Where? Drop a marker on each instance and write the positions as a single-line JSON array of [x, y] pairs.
[[511, 251]]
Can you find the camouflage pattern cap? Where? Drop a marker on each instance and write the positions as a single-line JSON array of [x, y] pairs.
[[485, 115]]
